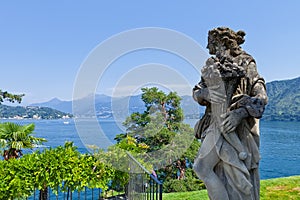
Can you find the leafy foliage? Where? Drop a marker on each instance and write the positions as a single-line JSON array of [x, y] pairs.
[[59, 168], [16, 137], [16, 180], [159, 134], [10, 97], [183, 185], [190, 183], [117, 160]]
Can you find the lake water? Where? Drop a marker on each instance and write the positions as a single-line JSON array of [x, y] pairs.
[[280, 141]]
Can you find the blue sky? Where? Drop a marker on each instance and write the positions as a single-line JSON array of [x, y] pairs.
[[44, 43]]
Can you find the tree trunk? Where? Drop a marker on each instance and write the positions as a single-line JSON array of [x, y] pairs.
[[44, 194]]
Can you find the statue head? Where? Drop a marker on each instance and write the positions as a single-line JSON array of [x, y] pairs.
[[222, 38]]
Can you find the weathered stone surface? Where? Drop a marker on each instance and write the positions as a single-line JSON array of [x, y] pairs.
[[235, 97]]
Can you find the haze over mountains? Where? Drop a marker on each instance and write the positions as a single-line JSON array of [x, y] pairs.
[[284, 103], [106, 105]]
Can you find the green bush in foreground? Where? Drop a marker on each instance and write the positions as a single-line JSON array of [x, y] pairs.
[[183, 185], [58, 168], [189, 183]]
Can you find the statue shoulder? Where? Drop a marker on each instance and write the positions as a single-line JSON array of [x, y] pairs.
[[245, 59]]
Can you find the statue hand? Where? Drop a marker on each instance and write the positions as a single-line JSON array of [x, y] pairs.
[[232, 119]]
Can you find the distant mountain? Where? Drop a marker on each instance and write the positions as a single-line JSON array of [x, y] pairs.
[[191, 108], [109, 107], [284, 100], [66, 106], [31, 112], [55, 103], [284, 104]]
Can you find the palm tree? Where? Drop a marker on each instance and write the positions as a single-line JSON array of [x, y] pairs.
[[15, 137]]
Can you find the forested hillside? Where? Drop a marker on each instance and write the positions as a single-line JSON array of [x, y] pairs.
[[30, 112], [284, 100]]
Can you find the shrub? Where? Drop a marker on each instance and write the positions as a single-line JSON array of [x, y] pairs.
[[59, 168], [190, 183], [174, 185]]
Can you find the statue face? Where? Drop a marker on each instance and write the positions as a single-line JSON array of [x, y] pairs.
[[211, 45]]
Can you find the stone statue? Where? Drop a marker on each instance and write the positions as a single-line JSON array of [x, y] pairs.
[[235, 97]]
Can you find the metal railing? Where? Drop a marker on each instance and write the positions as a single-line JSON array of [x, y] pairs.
[[86, 194], [142, 184]]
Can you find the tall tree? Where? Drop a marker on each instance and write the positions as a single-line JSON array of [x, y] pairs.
[[161, 126], [168, 105], [158, 124], [15, 137]]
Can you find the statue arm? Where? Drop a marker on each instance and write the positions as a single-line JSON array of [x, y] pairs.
[[200, 93], [205, 96], [255, 103], [258, 100]]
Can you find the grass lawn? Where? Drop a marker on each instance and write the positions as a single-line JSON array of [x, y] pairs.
[[281, 188], [287, 188]]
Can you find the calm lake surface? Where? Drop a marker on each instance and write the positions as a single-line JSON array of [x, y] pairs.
[[280, 141]]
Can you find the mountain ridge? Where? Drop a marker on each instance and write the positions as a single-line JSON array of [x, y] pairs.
[[31, 112], [284, 100], [284, 103]]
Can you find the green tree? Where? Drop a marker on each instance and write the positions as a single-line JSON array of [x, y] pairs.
[[161, 127], [158, 124], [10, 97], [15, 137], [167, 105]]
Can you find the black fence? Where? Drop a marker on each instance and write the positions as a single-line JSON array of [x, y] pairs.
[[142, 184], [86, 194]]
